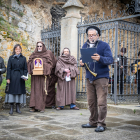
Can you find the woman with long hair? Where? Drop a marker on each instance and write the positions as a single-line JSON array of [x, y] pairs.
[[17, 66]]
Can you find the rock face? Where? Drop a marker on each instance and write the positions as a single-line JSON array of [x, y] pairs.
[[21, 21]]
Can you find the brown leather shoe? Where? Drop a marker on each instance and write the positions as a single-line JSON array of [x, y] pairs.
[[75, 108]]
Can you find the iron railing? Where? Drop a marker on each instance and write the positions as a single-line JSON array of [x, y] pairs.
[[118, 33]]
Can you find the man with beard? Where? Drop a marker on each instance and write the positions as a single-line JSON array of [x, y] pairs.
[[39, 83], [66, 71]]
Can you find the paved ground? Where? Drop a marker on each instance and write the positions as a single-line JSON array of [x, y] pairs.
[[65, 125]]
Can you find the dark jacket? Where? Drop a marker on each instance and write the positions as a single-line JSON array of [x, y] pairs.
[[101, 67], [15, 69], [138, 73], [3, 68], [121, 63]]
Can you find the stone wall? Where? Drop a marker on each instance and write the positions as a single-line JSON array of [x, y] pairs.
[[21, 22]]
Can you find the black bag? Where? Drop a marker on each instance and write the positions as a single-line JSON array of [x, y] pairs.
[[7, 87]]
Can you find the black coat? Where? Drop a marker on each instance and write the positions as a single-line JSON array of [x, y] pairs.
[[15, 69], [138, 70], [3, 68], [120, 63]]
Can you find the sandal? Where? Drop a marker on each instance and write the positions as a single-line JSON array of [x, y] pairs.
[[32, 110], [59, 108], [75, 108]]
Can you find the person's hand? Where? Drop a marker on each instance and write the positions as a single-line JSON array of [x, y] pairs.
[[96, 57], [121, 67], [25, 79], [8, 81], [81, 63], [68, 74], [67, 70]]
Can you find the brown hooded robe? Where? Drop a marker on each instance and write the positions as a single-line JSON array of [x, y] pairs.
[[50, 99], [66, 92], [38, 94]]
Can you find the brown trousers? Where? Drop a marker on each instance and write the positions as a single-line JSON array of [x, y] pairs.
[[97, 101]]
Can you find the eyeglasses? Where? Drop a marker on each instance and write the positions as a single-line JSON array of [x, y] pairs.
[[39, 46], [91, 35]]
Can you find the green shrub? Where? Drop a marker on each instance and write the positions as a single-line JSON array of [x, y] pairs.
[[0, 3], [24, 42], [28, 84], [21, 14], [2, 88], [2, 19], [18, 2]]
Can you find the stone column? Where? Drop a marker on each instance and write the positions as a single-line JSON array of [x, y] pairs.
[[69, 31]]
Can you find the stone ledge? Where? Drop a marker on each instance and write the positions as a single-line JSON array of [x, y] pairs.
[[120, 109], [125, 109], [82, 104]]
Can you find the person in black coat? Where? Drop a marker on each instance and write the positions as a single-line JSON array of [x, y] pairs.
[[2, 68], [121, 70], [17, 66]]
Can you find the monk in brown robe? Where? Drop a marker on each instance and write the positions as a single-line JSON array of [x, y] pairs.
[[50, 99], [66, 71], [39, 84]]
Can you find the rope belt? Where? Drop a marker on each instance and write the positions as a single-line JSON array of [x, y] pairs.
[[45, 86]]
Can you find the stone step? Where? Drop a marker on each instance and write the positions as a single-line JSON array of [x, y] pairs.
[[133, 109]]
